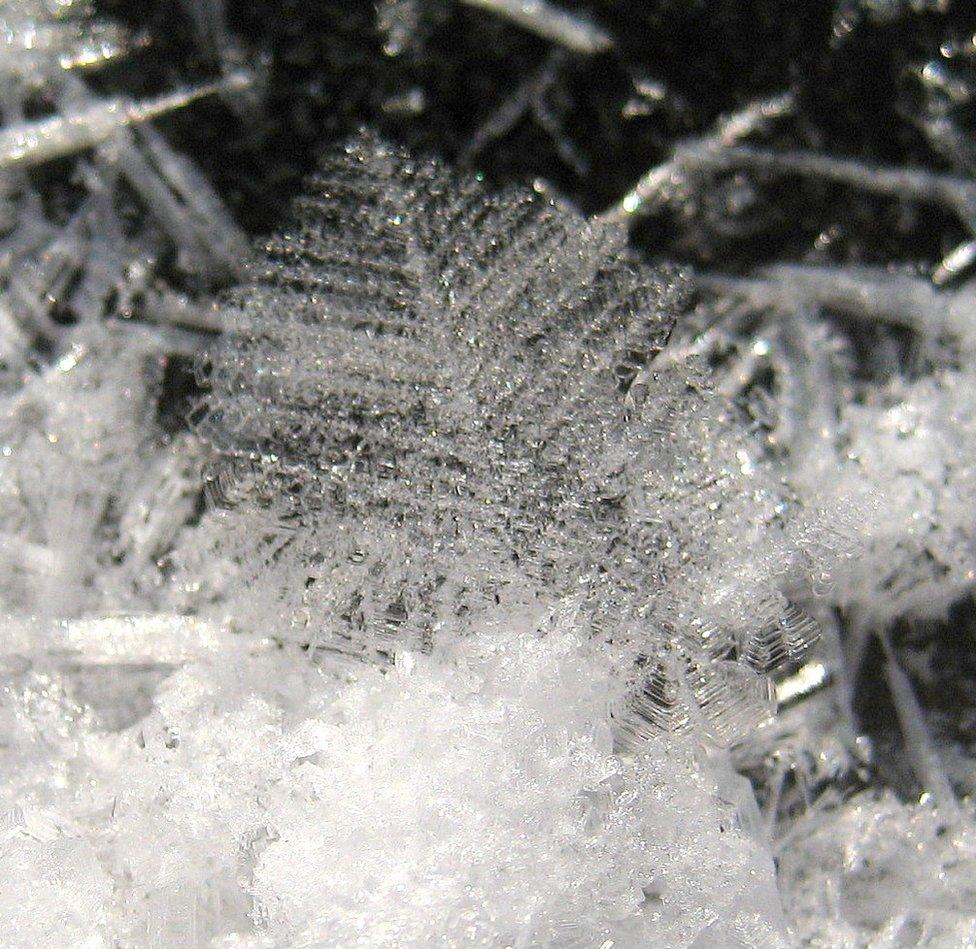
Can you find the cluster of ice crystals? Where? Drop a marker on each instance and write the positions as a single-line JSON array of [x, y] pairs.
[[75, 441], [882, 453], [88, 252], [55, 892], [471, 797], [90, 496], [916, 448], [436, 402], [860, 378], [880, 872]]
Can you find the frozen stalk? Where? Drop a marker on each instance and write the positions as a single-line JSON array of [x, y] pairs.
[[204, 234], [529, 98], [914, 184], [809, 679], [38, 40], [957, 193], [922, 752], [721, 153], [161, 505], [956, 263], [29, 48], [95, 262]]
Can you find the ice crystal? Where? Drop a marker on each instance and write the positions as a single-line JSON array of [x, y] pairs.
[[436, 401], [440, 376]]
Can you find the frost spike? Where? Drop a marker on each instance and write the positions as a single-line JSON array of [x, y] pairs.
[[32, 143], [548, 21]]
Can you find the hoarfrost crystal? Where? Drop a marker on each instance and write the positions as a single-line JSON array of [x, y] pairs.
[[436, 401]]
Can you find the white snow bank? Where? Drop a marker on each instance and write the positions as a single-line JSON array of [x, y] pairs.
[[244, 796]]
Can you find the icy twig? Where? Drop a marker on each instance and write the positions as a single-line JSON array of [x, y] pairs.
[[657, 185], [162, 504], [549, 22], [184, 202], [28, 48], [32, 143], [711, 154], [719, 153], [33, 289]]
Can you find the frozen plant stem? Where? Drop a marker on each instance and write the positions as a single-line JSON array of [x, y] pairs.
[[549, 22], [503, 119], [955, 263], [24, 46], [32, 143], [528, 98], [182, 200], [917, 184], [956, 193]]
